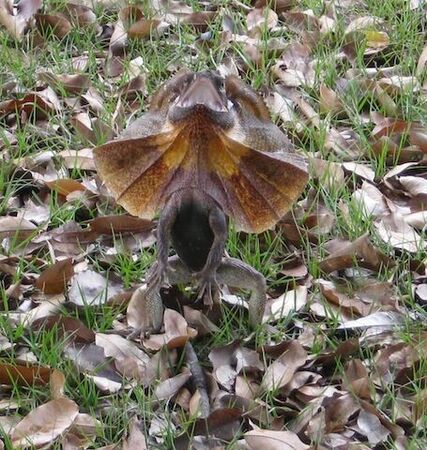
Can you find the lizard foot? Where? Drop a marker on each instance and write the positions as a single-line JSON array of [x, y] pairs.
[[208, 289]]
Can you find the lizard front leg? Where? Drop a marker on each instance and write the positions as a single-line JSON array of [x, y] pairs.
[[208, 286], [158, 273]]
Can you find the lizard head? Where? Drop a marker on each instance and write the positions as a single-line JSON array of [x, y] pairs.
[[191, 98]]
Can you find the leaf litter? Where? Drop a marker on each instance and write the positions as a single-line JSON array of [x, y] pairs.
[[340, 361]]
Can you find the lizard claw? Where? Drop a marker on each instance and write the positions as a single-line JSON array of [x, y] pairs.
[[208, 288]]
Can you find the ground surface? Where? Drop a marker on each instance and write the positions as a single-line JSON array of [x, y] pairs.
[[340, 361]]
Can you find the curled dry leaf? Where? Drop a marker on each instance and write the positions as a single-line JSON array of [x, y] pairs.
[[34, 104], [329, 100], [261, 18], [91, 130], [90, 359], [338, 410], [131, 361], [176, 334], [79, 15], [170, 387], [346, 253], [133, 87], [363, 23], [280, 106], [197, 320], [70, 84], [200, 20], [78, 159], [281, 371], [56, 24], [394, 230], [356, 379], [16, 20], [285, 304], [54, 279], [146, 28], [64, 186], [224, 362], [68, 328], [24, 375], [45, 423], [120, 224], [397, 363]]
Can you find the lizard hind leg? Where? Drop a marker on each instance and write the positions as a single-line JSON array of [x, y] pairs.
[[235, 273]]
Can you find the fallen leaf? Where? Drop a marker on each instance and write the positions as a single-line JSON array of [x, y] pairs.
[[45, 423], [91, 288], [135, 439], [281, 371], [54, 279], [274, 440]]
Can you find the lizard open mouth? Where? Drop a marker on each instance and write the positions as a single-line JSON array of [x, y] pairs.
[[203, 98], [202, 91]]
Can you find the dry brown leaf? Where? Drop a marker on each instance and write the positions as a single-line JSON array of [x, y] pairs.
[[145, 28], [329, 100], [371, 426], [56, 24], [170, 387], [68, 327], [17, 21], [281, 371], [79, 15], [90, 359], [91, 130], [288, 302], [261, 18], [346, 253], [45, 423], [54, 279], [394, 231], [16, 227], [397, 363], [70, 84], [65, 186], [131, 361], [177, 332], [91, 288], [223, 361], [24, 375], [356, 379], [34, 104], [112, 225], [274, 440], [197, 320], [78, 159], [338, 410], [135, 439], [199, 19]]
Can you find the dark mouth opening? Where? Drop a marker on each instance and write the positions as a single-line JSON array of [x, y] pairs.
[[202, 93]]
